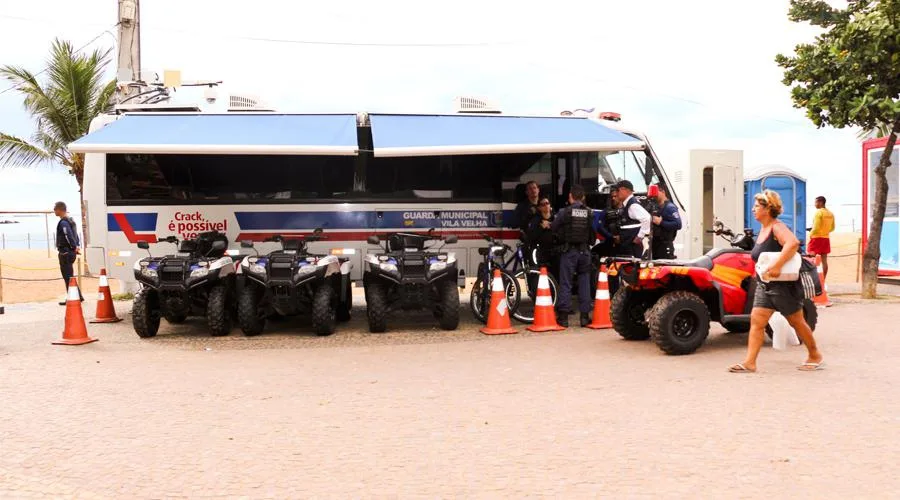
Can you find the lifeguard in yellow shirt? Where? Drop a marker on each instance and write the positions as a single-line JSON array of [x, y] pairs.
[[819, 237]]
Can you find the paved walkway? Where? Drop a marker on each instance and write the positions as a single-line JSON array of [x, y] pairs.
[[418, 413]]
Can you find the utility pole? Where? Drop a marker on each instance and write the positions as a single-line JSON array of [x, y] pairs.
[[129, 60]]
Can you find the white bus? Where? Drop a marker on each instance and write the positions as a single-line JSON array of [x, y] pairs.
[[155, 173]]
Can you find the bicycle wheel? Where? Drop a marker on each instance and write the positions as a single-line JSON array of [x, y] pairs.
[[529, 281], [480, 297]]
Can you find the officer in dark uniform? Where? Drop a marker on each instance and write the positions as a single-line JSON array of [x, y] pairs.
[[573, 226], [634, 222], [67, 245], [665, 226]]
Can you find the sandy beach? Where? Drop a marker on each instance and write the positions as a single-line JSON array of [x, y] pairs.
[[35, 265]]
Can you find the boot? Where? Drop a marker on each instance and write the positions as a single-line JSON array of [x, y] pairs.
[[585, 319], [562, 319]]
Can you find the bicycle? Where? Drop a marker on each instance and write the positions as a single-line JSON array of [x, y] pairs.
[[480, 296], [518, 269]]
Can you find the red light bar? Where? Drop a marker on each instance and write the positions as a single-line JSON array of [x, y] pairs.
[[609, 115]]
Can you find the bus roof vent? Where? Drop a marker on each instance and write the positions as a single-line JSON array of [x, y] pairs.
[[468, 104], [246, 103]]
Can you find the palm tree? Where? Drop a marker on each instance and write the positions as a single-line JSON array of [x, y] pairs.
[[74, 94]]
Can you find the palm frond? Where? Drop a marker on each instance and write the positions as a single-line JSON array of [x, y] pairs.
[[75, 90], [18, 152]]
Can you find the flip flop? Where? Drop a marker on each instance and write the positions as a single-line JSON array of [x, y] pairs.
[[740, 368], [811, 367]]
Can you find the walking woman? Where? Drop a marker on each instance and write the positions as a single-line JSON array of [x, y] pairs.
[[786, 297]]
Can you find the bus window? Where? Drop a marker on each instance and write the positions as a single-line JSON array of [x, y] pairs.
[[634, 166], [521, 169], [180, 179], [447, 178]]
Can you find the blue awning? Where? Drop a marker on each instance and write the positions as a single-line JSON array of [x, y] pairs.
[[427, 135], [190, 133]]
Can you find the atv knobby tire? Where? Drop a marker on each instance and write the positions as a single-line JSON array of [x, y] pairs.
[[679, 322], [448, 305], [323, 310], [344, 308], [626, 312], [376, 307], [145, 313], [218, 312], [251, 317]]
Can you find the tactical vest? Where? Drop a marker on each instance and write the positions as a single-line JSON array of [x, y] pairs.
[[628, 227], [577, 230]]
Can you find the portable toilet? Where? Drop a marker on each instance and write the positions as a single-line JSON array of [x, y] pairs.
[[790, 185]]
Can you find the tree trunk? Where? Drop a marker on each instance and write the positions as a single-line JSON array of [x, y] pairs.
[[78, 172], [873, 246]]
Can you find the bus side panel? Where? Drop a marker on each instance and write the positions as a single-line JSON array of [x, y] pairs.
[[346, 228]]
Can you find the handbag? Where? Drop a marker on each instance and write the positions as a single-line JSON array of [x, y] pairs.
[[809, 279]]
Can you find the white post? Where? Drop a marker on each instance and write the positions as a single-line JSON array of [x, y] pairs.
[[129, 57]]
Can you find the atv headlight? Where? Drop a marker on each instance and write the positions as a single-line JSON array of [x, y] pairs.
[[147, 269], [387, 266], [438, 266], [256, 265], [303, 271], [199, 272]]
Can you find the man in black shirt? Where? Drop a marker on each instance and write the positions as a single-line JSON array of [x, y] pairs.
[[527, 208], [67, 244]]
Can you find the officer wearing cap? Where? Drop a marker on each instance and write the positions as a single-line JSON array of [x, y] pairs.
[[574, 228], [634, 221]]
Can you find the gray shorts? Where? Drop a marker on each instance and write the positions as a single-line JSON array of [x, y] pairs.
[[785, 297]]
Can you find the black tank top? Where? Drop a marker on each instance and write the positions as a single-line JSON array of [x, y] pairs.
[[770, 244]]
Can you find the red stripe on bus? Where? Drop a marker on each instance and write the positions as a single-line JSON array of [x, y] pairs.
[[126, 228]]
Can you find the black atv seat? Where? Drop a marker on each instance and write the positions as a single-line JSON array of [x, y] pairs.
[[703, 262]]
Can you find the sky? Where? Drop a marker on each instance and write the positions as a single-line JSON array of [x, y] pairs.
[[692, 75]]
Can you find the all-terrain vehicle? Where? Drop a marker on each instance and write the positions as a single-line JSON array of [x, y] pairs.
[[198, 280], [408, 276], [673, 301], [293, 281]]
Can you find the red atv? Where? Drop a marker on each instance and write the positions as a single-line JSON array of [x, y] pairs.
[[673, 301]]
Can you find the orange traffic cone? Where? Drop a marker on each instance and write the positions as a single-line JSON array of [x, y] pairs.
[[106, 311], [544, 315], [75, 332], [498, 315], [601, 302], [821, 300]]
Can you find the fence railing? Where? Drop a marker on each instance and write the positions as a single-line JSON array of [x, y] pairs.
[[27, 241]]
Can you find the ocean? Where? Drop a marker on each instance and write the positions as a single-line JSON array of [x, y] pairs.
[[27, 231]]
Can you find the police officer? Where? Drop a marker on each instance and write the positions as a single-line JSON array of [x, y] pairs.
[[67, 245], [527, 208], [573, 226], [665, 226], [634, 221], [604, 248]]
